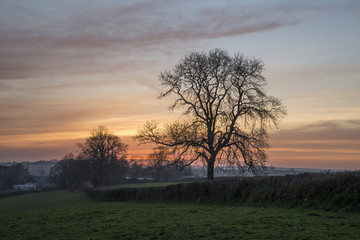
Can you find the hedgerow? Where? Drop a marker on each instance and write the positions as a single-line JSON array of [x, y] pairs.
[[330, 191]]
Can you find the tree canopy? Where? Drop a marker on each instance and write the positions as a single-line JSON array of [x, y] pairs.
[[226, 111], [102, 148]]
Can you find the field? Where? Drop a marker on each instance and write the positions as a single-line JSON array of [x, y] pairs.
[[143, 185], [64, 215]]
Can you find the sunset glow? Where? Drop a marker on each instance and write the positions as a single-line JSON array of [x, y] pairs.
[[67, 67]]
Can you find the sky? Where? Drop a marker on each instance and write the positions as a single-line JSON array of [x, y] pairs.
[[68, 66]]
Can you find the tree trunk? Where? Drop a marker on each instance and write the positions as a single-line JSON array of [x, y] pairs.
[[158, 174], [95, 180], [210, 169]]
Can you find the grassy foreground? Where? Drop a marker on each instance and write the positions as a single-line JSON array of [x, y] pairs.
[[63, 215]]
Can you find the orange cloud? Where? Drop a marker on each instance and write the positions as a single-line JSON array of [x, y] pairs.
[[326, 144]]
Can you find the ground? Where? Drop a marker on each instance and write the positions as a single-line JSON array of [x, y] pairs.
[[64, 215]]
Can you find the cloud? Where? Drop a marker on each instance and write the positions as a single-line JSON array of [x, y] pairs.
[[84, 38], [106, 38], [56, 149], [322, 130], [325, 144], [37, 116], [354, 122], [38, 151]]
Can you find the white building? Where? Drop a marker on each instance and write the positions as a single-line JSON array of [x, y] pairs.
[[26, 186]]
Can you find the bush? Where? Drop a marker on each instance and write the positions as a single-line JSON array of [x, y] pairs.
[[331, 191]]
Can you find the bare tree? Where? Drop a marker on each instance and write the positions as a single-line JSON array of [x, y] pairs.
[[70, 172], [61, 172], [102, 148], [158, 160], [227, 109]]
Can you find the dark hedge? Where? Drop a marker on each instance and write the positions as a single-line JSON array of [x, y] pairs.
[[329, 191]]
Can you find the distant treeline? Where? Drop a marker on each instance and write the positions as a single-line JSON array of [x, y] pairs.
[[328, 191], [10, 175], [75, 173]]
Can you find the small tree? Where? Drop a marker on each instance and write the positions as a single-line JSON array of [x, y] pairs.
[[116, 171], [101, 148], [136, 170], [227, 109], [158, 160], [70, 172]]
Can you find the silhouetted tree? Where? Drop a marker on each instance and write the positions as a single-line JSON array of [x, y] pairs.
[[227, 109], [136, 170], [116, 171], [158, 160], [70, 172], [10, 175], [60, 174], [101, 148]]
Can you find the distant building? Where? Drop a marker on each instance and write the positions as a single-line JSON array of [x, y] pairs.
[[26, 186], [39, 168]]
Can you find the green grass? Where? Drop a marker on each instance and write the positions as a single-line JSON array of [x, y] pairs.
[[63, 215]]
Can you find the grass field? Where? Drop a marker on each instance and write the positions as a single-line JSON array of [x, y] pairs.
[[63, 215], [142, 185]]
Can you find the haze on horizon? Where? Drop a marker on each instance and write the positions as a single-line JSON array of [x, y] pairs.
[[67, 67]]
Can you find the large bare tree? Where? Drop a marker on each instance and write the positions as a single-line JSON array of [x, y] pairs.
[[102, 148], [226, 110]]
